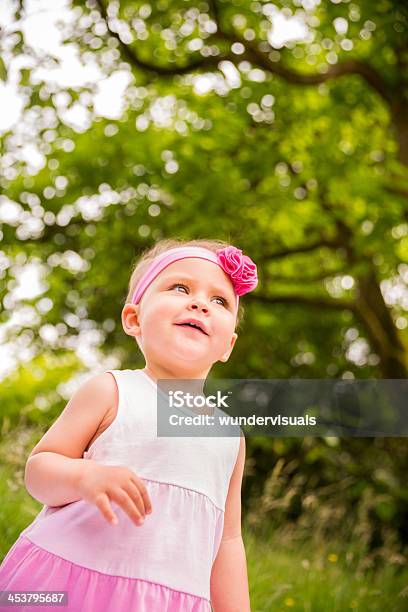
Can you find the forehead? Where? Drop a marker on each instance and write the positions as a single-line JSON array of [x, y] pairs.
[[200, 271]]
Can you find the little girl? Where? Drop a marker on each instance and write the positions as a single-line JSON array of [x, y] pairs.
[[135, 522]]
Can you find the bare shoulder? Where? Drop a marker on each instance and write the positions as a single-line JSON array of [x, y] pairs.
[[98, 396], [91, 407], [111, 412], [101, 387]]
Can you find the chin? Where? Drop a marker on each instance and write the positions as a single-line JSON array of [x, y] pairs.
[[188, 358]]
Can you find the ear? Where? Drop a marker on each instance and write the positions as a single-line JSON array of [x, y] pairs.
[[130, 319], [226, 355]]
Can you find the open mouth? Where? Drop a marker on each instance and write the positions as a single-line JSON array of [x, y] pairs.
[[193, 326]]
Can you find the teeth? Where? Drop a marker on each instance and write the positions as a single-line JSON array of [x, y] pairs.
[[192, 325]]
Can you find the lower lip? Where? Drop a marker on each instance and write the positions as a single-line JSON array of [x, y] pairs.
[[192, 329]]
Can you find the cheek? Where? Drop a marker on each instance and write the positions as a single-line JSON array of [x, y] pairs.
[[224, 329], [153, 321], [158, 315]]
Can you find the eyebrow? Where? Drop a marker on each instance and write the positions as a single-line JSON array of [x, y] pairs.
[[183, 277]]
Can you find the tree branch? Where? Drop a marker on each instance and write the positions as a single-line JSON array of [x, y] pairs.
[[261, 58], [301, 300], [254, 55], [399, 191], [348, 67], [301, 280], [131, 56], [304, 248]]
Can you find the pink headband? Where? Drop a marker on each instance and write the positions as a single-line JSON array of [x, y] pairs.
[[240, 268]]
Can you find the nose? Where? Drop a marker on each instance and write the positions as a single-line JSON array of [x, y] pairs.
[[197, 303]]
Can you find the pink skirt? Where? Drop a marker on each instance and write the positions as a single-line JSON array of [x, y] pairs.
[[28, 567]]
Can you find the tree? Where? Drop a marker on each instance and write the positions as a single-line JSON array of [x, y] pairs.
[[307, 139], [296, 151]]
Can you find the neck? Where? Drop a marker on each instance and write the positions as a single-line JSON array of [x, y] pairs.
[[157, 372]]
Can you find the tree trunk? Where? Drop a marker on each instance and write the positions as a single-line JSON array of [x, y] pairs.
[[382, 333]]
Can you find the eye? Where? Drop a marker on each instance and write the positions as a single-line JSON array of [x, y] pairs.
[[178, 285], [224, 302]]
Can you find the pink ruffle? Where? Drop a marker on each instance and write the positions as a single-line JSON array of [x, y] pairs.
[[28, 567]]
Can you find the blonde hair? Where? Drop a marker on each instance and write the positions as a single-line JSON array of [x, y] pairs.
[[151, 253]]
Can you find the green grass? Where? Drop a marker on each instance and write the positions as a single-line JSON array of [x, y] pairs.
[[17, 509], [324, 577]]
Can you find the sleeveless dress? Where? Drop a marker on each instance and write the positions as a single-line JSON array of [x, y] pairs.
[[163, 565]]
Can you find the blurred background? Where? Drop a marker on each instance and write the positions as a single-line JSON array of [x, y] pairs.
[[280, 127]]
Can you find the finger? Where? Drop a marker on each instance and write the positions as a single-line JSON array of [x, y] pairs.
[[121, 497], [134, 494], [102, 502], [143, 492]]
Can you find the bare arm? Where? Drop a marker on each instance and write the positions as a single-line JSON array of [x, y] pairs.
[[229, 579], [229, 582], [53, 479], [55, 465]]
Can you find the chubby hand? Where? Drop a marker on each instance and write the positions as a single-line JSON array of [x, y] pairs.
[[101, 484]]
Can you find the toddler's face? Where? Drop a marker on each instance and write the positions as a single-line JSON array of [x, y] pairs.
[[188, 288]]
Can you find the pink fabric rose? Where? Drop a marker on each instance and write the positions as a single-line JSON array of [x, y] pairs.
[[240, 268]]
